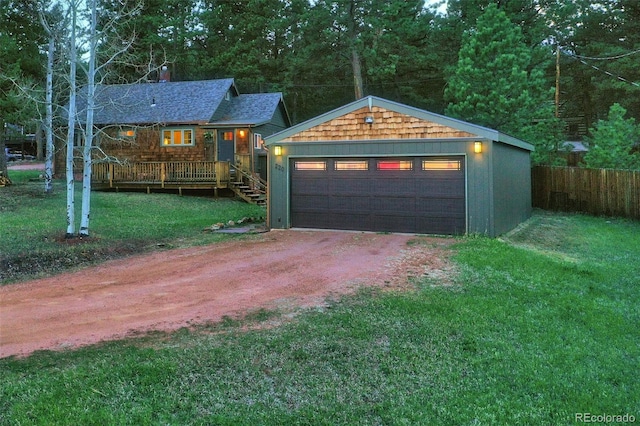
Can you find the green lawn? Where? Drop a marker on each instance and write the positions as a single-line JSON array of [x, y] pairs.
[[537, 327], [33, 225]]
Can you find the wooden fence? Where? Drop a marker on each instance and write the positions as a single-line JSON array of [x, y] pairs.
[[595, 191]]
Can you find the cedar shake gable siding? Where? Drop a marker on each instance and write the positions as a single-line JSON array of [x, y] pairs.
[[390, 119], [387, 125]]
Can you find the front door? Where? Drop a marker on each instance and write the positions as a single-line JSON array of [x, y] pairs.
[[209, 147], [226, 146]]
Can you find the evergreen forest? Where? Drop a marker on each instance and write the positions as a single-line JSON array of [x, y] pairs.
[[541, 70]]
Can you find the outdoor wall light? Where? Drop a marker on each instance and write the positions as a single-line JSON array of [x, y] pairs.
[[477, 147], [277, 150], [368, 119]]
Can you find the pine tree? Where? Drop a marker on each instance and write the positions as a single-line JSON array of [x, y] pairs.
[[612, 142], [492, 84]]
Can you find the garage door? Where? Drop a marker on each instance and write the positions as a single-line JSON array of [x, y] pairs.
[[417, 195]]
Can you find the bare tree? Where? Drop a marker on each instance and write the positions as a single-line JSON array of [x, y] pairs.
[[99, 54], [101, 47], [48, 124], [71, 122], [93, 71], [91, 100], [53, 31]]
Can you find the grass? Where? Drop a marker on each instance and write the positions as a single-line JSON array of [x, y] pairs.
[[537, 326], [33, 225]]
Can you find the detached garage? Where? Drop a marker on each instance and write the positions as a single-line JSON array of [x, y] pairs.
[[376, 165]]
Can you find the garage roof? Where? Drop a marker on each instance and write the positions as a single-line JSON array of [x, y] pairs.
[[373, 101]]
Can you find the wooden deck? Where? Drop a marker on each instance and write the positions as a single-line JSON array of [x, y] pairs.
[[177, 175], [162, 175]]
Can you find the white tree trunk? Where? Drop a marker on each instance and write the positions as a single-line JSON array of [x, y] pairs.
[[48, 125], [71, 227], [88, 145]]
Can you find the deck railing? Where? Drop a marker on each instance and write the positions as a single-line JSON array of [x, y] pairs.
[[162, 173]]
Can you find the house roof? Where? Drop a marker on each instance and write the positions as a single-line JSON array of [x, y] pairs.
[[371, 101], [249, 110], [144, 103], [574, 146], [183, 102]]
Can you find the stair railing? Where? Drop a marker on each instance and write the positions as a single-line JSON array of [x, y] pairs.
[[255, 182]]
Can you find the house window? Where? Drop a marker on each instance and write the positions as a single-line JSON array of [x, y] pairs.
[[78, 139], [227, 136], [310, 165], [395, 165], [441, 164], [258, 143], [351, 165], [177, 137], [243, 145]]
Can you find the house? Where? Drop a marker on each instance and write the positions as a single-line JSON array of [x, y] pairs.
[[189, 126], [20, 145], [377, 165], [574, 152]]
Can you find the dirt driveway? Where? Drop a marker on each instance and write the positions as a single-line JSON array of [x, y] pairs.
[[172, 289]]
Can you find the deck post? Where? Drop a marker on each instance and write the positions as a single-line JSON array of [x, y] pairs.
[[110, 175]]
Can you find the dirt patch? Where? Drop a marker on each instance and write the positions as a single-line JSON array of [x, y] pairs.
[[177, 288], [74, 253]]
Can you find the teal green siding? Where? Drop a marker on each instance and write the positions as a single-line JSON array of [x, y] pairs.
[[478, 192], [498, 179], [279, 122], [279, 166], [278, 193], [511, 187]]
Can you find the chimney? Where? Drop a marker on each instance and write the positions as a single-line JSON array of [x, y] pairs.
[[164, 75]]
